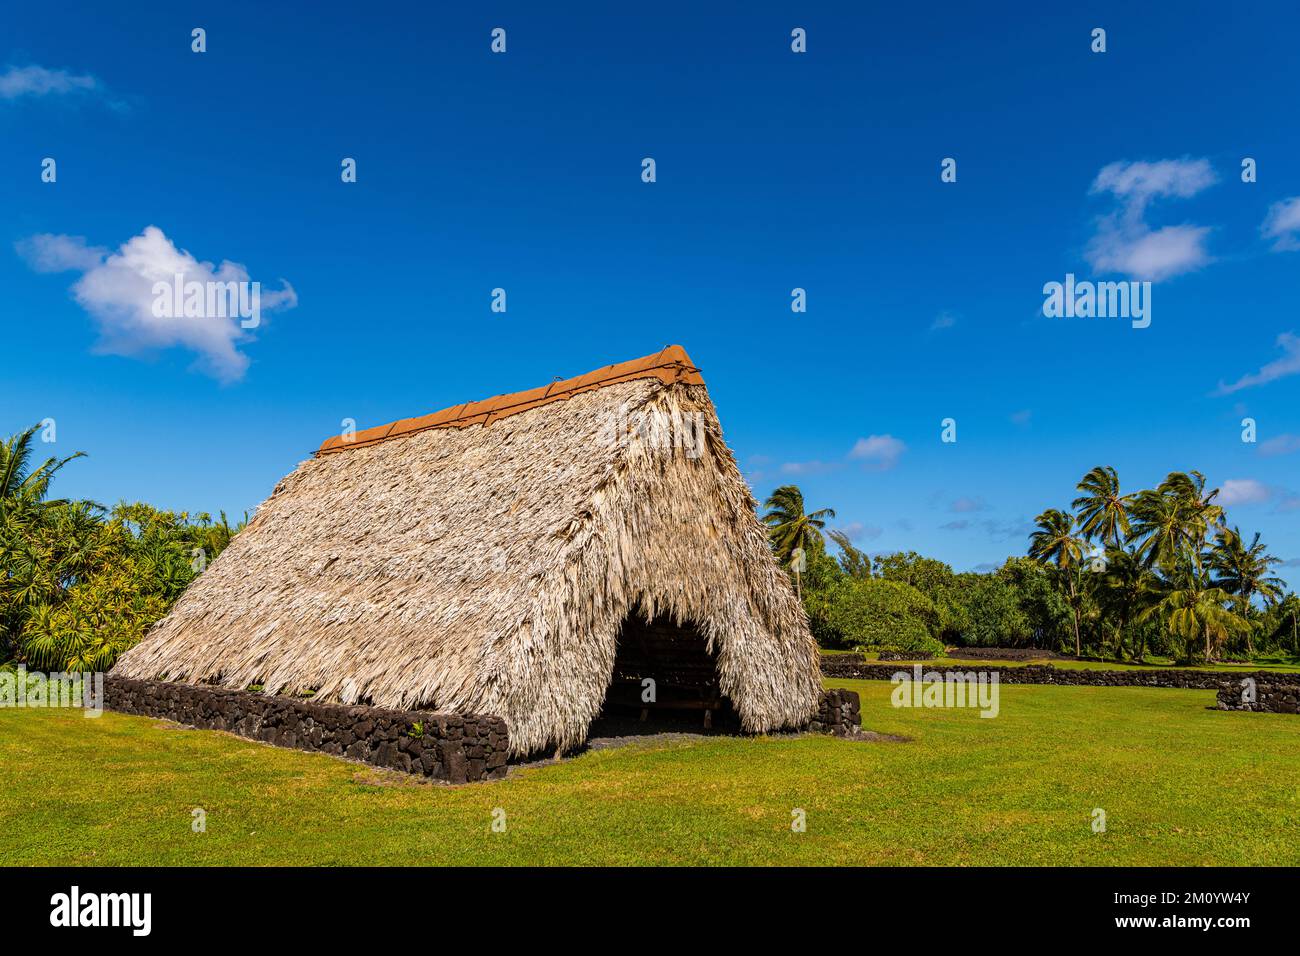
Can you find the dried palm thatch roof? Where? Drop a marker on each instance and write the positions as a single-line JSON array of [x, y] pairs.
[[482, 560]]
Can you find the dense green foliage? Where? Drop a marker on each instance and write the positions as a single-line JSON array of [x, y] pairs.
[[884, 614], [995, 615], [1158, 572], [80, 583]]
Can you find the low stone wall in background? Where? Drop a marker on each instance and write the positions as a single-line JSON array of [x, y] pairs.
[[839, 712], [458, 748], [1005, 654], [1267, 696], [848, 667], [905, 656]]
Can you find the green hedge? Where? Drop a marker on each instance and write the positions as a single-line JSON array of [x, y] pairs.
[[874, 614]]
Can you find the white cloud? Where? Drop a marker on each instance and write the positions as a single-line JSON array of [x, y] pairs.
[[876, 452], [857, 531], [807, 467], [880, 452], [47, 253], [1125, 243], [1010, 528], [965, 505], [17, 82], [944, 320], [1243, 491], [1138, 252], [1288, 364], [1140, 182], [1022, 417], [1283, 444], [1282, 225], [116, 288]]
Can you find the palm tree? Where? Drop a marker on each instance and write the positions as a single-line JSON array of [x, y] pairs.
[[1157, 529], [792, 531], [23, 508], [856, 563], [1195, 612], [1171, 523], [789, 527], [19, 485], [1243, 571], [1056, 542], [1124, 591], [1289, 606], [1102, 511], [1188, 488]]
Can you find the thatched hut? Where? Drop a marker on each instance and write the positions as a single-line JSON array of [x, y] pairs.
[[528, 556]]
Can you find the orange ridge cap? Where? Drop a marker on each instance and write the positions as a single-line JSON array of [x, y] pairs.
[[669, 366]]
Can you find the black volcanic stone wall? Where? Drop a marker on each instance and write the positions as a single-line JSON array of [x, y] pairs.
[[1006, 654], [458, 748], [839, 712], [850, 667], [1271, 697]]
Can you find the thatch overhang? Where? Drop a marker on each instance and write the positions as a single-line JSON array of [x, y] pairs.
[[483, 559]]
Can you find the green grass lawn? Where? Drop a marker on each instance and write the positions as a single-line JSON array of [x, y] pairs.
[[1180, 784], [1280, 665]]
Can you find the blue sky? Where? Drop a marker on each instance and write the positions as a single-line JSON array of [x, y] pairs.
[[775, 170]]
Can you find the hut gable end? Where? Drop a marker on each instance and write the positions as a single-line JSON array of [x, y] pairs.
[[487, 566]]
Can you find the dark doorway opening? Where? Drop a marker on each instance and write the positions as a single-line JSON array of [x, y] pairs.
[[665, 679]]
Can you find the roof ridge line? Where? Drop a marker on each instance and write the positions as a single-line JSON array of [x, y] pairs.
[[670, 365]]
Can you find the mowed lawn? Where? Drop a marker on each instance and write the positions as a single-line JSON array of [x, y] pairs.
[[1180, 783]]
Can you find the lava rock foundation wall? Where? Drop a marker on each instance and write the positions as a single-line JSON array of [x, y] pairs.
[[839, 712], [458, 748], [1273, 698]]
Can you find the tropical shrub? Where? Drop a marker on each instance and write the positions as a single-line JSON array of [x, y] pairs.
[[80, 584], [818, 582], [994, 616], [874, 614], [1040, 600], [78, 587]]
